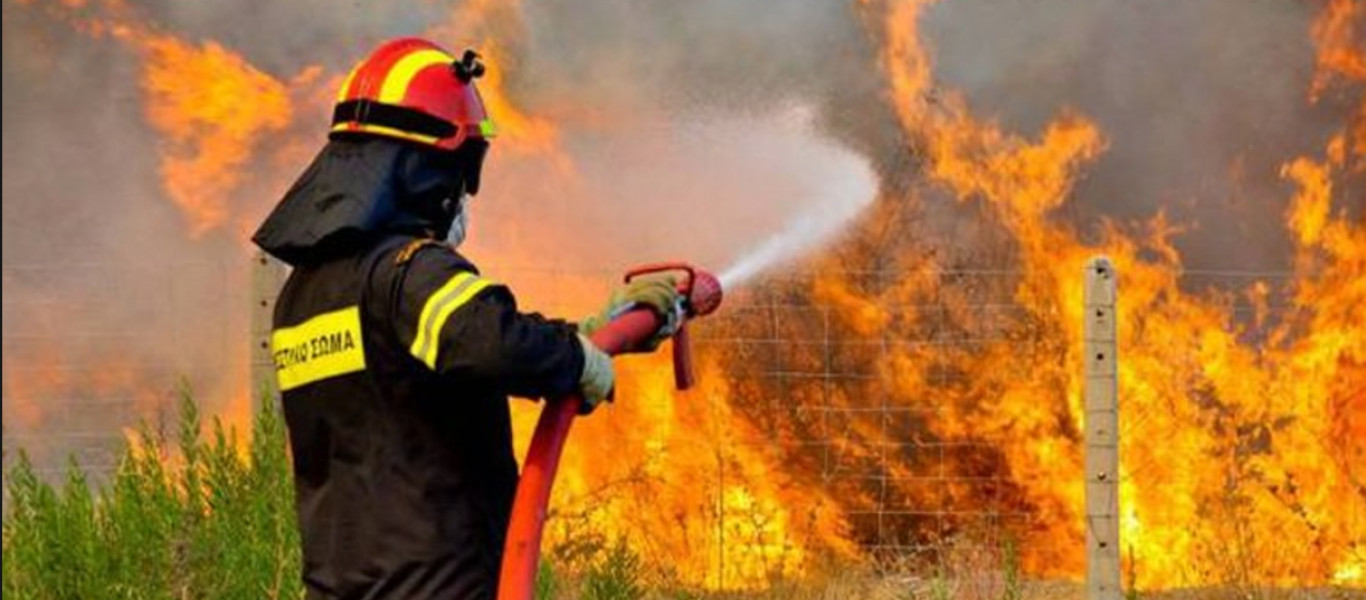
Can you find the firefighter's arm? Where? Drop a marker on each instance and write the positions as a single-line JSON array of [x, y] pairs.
[[458, 323]]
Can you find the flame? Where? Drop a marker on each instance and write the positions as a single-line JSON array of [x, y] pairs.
[[28, 382], [1341, 58], [1251, 460], [1262, 427], [1338, 39], [211, 108], [519, 131], [680, 477], [495, 28], [1331, 298]]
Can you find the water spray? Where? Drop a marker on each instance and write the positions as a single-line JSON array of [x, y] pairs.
[[774, 250], [701, 292], [840, 199]]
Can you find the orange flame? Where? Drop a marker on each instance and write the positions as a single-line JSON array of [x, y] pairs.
[[1233, 451], [212, 108], [681, 479], [1339, 33], [1250, 462], [494, 28], [28, 382]]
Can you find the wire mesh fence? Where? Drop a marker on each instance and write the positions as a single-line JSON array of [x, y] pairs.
[[825, 389], [917, 412], [90, 349]]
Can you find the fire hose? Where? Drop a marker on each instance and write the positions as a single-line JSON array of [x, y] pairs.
[[701, 293]]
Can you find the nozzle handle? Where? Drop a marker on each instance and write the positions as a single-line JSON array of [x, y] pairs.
[[684, 375], [700, 289], [685, 283], [702, 295]]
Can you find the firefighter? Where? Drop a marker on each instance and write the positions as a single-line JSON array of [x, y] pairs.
[[395, 356]]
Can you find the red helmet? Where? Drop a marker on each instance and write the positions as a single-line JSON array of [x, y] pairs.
[[412, 89]]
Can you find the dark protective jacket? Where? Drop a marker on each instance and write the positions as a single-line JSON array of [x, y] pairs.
[[395, 358]]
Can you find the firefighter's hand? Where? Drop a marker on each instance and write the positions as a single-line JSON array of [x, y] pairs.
[[598, 378], [660, 293]]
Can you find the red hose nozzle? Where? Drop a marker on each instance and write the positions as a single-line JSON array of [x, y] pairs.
[[701, 288], [705, 296], [702, 292]]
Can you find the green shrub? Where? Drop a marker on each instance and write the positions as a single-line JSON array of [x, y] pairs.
[[189, 518], [615, 576], [548, 586]]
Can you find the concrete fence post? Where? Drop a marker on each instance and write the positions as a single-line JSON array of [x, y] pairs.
[[1101, 423], [267, 276]]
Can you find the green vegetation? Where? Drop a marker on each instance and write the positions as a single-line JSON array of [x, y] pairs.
[[188, 515], [616, 576], [1011, 571], [204, 517], [189, 518]]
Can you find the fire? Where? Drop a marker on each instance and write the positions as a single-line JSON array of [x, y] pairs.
[[35, 377], [1251, 461], [686, 483], [495, 29], [1338, 33], [678, 476], [212, 108], [1240, 440], [522, 132]]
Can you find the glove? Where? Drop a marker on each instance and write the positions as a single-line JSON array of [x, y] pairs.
[[660, 293], [598, 378]]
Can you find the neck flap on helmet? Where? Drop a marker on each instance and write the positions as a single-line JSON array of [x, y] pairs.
[[358, 190]]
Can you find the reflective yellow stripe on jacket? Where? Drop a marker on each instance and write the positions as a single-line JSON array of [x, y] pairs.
[[322, 347], [438, 309]]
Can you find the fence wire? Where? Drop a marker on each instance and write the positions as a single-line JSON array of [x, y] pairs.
[[872, 413], [93, 348]]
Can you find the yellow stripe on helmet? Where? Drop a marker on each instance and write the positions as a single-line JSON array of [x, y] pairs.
[[387, 131], [346, 84], [402, 73]]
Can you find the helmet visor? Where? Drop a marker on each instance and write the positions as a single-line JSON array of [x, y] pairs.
[[469, 158]]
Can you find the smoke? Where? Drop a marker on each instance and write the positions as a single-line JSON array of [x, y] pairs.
[[745, 134], [1201, 103], [103, 288], [696, 129], [693, 190], [676, 140], [695, 135]]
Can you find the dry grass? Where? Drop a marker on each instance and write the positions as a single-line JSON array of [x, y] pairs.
[[881, 587], [208, 518]]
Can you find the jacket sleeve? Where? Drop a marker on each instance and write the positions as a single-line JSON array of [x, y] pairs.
[[461, 325]]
